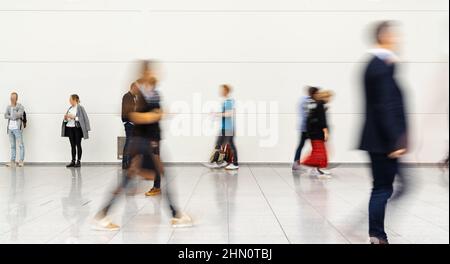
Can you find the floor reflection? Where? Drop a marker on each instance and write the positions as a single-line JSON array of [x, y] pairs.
[[17, 204], [75, 208]]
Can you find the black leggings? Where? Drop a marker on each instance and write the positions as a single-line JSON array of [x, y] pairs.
[[75, 136]]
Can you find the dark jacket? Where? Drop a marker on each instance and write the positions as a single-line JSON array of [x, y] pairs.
[[385, 127], [317, 119], [128, 106], [145, 104]]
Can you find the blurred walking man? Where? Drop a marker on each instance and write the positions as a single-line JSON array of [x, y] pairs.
[[384, 135]]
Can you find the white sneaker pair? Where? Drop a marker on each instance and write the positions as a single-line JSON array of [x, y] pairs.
[[105, 224], [12, 163], [221, 166]]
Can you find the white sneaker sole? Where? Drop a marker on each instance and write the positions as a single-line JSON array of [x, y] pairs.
[[101, 228], [182, 226]]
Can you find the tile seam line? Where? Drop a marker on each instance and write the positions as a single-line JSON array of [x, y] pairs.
[[123, 225], [29, 221], [270, 206], [314, 208], [203, 173], [227, 11], [5, 61]]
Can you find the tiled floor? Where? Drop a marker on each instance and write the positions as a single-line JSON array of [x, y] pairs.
[[259, 204]]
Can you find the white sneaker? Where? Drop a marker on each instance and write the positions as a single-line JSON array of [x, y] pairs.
[[319, 174], [232, 167], [215, 165], [20, 164], [324, 171], [10, 164], [104, 224], [211, 165], [222, 165], [181, 221]]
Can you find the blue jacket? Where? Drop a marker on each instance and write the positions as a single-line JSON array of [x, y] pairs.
[[385, 126]]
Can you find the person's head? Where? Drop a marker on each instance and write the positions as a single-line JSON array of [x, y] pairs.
[[313, 92], [134, 88], [147, 69], [225, 90], [385, 35], [14, 98], [74, 100]]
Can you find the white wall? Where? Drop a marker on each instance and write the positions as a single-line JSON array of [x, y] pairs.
[[268, 50]]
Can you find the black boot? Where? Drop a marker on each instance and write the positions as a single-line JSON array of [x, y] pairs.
[[71, 165], [78, 164]]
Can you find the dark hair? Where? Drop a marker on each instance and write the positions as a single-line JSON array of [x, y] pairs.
[[227, 88], [381, 28], [17, 96], [75, 97], [312, 90]]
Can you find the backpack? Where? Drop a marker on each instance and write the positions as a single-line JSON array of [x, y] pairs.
[[224, 154], [24, 119]]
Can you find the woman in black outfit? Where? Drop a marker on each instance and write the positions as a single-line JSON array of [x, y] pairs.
[[75, 126]]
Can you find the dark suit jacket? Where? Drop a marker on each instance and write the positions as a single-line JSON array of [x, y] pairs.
[[385, 126]]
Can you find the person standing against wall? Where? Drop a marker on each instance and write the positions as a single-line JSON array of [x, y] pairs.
[[317, 130], [128, 106], [76, 126], [303, 130], [15, 113], [384, 134]]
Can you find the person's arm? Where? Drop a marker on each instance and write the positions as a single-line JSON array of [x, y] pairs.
[[7, 113], [86, 119], [146, 118], [19, 112]]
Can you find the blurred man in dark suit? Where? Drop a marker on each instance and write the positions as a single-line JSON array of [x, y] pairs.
[[384, 135]]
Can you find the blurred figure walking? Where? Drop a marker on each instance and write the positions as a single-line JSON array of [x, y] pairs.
[[317, 131], [144, 154], [384, 135]]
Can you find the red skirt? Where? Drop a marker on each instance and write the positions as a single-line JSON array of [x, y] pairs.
[[318, 157]]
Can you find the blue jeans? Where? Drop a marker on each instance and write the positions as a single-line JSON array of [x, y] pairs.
[[384, 171], [15, 137], [298, 153]]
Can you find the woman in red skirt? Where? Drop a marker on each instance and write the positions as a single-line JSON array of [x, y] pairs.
[[317, 129]]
